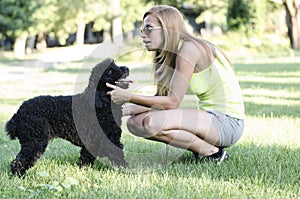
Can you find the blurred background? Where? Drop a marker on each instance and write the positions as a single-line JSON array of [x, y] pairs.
[[246, 28]]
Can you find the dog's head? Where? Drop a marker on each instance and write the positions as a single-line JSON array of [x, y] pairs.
[[108, 72]]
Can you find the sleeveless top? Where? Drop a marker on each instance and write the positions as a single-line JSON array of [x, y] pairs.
[[217, 88]]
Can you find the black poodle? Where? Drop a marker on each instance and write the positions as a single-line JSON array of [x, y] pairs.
[[89, 120]]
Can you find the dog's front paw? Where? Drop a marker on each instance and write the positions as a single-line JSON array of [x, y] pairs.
[[85, 163], [120, 163]]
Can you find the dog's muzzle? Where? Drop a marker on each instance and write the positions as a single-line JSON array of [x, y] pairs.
[[123, 82]]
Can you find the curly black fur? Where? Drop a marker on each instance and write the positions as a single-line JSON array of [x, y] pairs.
[[89, 120]]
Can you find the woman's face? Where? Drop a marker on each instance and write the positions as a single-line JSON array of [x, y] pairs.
[[152, 34]]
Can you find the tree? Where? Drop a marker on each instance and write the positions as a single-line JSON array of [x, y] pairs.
[[22, 18], [292, 8], [176, 3], [198, 11], [117, 32], [132, 12], [238, 15], [258, 12], [124, 15], [211, 12], [73, 15], [43, 18], [16, 17]]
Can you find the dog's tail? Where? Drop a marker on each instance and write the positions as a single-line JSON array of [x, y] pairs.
[[11, 128]]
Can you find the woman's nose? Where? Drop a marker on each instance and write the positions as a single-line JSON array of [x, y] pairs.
[[142, 34]]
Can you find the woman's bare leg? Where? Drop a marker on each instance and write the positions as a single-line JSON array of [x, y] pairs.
[[183, 128]]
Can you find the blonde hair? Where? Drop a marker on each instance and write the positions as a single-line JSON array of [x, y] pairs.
[[174, 30]]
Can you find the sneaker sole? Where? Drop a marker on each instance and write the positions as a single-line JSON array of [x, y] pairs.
[[225, 155]]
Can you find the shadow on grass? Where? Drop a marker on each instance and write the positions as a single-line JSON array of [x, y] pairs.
[[74, 70], [58, 152], [270, 86], [28, 63], [267, 67], [72, 67], [261, 165], [257, 109], [257, 164], [286, 97]]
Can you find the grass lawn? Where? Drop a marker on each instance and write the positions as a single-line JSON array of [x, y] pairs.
[[265, 163]]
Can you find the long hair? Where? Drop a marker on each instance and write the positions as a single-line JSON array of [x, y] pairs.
[[174, 31]]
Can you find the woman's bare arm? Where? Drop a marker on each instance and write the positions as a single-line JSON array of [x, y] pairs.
[[133, 109]]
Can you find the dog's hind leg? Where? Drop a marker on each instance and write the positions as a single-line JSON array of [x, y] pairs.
[[34, 140], [27, 157], [86, 157]]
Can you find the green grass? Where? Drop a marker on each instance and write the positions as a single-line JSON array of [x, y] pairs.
[[263, 164]]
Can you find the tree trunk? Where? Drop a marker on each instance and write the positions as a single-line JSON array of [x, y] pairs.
[[30, 42], [41, 43], [89, 33], [117, 23], [80, 33], [20, 46], [297, 24], [292, 8], [107, 33]]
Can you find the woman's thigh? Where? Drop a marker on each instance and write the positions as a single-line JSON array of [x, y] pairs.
[[197, 122]]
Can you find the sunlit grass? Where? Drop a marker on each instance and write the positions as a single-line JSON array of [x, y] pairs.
[[263, 164]]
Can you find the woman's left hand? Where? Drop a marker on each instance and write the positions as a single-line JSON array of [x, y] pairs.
[[118, 95]]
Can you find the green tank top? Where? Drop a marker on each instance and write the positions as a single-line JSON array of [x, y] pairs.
[[217, 88]]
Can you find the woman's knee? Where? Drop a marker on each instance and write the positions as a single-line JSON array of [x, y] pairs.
[[132, 126], [135, 127], [143, 129], [150, 127]]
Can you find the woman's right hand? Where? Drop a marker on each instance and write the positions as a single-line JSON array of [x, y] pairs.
[[118, 95]]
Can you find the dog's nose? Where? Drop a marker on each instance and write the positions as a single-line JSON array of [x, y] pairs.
[[125, 69]]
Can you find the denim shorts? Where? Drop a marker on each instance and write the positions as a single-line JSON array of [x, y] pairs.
[[229, 129]]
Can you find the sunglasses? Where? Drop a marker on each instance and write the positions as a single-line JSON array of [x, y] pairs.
[[148, 29]]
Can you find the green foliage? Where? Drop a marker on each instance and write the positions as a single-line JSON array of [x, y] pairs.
[[16, 16], [69, 12], [132, 14], [175, 3], [252, 17], [259, 14], [238, 15], [44, 17], [212, 12], [59, 17]]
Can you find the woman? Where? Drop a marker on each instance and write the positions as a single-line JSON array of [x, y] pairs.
[[185, 64]]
